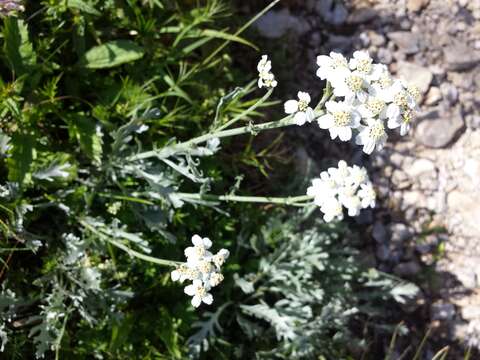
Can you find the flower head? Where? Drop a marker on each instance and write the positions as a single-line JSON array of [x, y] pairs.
[[366, 99], [199, 293], [265, 75], [302, 113], [342, 186], [372, 136], [340, 119], [202, 268]]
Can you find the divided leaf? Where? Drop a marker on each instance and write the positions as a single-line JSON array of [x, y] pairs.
[[85, 131], [22, 155], [17, 47]]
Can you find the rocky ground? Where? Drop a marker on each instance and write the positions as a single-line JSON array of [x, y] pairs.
[[426, 228]]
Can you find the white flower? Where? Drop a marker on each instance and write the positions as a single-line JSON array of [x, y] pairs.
[[339, 187], [215, 279], [302, 112], [199, 250], [357, 175], [340, 173], [341, 117], [367, 194], [403, 121], [202, 268], [199, 293], [4, 191], [265, 76], [372, 136], [373, 107], [351, 85], [332, 209], [322, 188], [363, 63], [331, 67], [220, 257]]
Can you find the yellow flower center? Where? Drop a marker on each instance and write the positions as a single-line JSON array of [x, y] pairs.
[[339, 63], [414, 92], [375, 106], [204, 266], [354, 83], [342, 118], [385, 81], [302, 105], [364, 66], [200, 291], [377, 130], [400, 99], [408, 116]]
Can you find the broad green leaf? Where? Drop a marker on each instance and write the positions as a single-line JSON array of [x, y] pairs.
[[83, 6], [17, 47], [85, 131], [111, 54], [22, 155]]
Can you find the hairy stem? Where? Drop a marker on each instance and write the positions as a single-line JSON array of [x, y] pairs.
[[291, 200], [128, 250]]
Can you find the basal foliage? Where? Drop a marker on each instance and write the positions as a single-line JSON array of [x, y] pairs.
[[95, 97]]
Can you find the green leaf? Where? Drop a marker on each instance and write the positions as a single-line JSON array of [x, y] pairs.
[[111, 54], [22, 155], [226, 36], [84, 130], [17, 47], [83, 6]]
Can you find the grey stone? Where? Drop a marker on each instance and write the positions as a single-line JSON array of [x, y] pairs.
[[420, 167], [400, 233], [384, 56], [416, 5], [400, 180], [471, 312], [409, 268], [449, 92], [274, 24], [379, 232], [434, 96], [362, 15], [416, 75], [439, 130], [442, 311], [405, 41], [382, 252], [460, 56], [376, 39]]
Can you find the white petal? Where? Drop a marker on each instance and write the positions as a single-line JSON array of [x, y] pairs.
[[369, 146], [189, 290], [207, 243], [175, 274], [208, 299], [300, 118], [189, 252], [197, 240], [291, 106], [304, 96], [345, 133], [310, 114], [196, 301], [333, 132]]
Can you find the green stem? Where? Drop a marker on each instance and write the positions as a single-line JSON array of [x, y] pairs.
[[128, 250], [291, 200], [250, 128], [247, 111]]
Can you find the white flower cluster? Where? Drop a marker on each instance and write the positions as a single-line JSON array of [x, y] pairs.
[[371, 98], [4, 191], [202, 268], [265, 75], [343, 186]]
